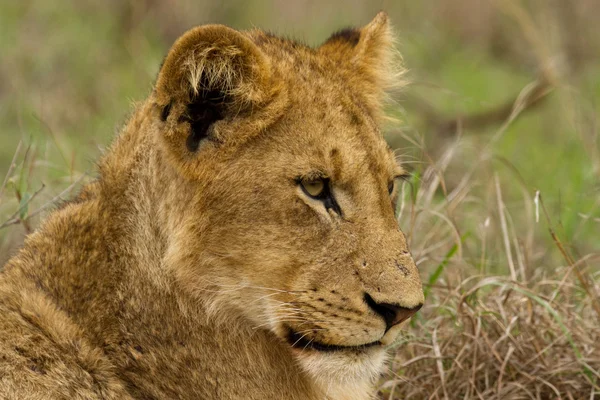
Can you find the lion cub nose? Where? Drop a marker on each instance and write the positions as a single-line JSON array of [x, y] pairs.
[[392, 314]]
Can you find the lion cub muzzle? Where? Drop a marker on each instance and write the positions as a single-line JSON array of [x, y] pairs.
[[393, 314]]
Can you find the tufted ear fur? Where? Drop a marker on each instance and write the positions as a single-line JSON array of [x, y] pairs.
[[366, 57], [212, 73]]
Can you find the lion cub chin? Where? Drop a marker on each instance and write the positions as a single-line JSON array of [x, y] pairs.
[[344, 375], [240, 241]]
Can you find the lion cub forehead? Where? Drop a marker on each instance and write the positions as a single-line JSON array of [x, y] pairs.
[[346, 161]]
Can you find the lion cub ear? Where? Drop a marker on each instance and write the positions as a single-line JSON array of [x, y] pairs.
[[366, 57], [211, 73]]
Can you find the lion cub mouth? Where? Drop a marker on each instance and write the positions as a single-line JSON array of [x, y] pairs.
[[299, 341]]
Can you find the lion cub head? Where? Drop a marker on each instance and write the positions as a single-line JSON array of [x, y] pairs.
[[283, 190]]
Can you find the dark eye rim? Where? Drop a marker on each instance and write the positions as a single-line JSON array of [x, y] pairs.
[[326, 196], [405, 177], [391, 186]]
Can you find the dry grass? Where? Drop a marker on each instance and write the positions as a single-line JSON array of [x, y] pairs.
[[506, 316], [494, 338]]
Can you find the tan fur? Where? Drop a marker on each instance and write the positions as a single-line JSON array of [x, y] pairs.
[[181, 271]]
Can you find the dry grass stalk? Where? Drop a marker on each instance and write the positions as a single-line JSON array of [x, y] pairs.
[[492, 336]]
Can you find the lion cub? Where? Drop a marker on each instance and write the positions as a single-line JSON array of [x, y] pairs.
[[239, 242]]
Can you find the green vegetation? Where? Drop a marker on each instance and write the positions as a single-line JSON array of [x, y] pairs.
[[504, 102]]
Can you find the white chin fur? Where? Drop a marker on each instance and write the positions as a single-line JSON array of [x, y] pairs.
[[344, 375]]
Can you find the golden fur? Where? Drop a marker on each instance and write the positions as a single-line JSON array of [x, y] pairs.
[[196, 263]]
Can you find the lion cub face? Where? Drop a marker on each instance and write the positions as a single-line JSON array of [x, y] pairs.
[[288, 191]]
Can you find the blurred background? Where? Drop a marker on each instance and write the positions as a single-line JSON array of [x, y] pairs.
[[503, 104]]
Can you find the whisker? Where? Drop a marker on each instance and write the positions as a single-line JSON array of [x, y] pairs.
[[270, 322], [299, 339]]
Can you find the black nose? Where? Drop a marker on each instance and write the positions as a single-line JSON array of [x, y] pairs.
[[392, 314]]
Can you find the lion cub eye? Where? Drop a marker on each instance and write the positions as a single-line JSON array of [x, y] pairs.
[[313, 187], [320, 189], [391, 187]]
